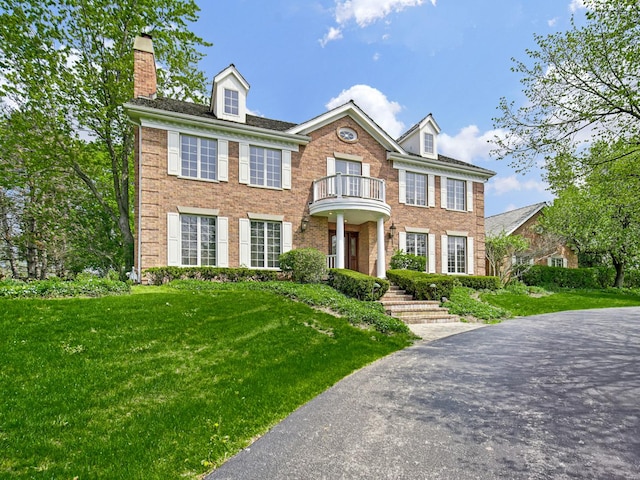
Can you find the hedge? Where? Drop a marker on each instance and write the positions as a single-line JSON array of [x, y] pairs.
[[305, 265], [57, 288], [162, 275], [423, 286], [478, 282], [541, 276], [357, 285]]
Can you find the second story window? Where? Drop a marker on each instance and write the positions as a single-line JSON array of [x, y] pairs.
[[231, 103], [416, 188], [428, 143], [198, 157], [265, 166], [456, 194]]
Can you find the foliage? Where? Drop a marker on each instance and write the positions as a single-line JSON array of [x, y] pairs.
[[162, 383], [56, 288], [322, 296], [358, 285], [463, 304], [598, 204], [408, 261], [478, 282], [306, 265], [423, 286], [71, 62], [582, 83], [543, 276], [499, 250], [162, 275]]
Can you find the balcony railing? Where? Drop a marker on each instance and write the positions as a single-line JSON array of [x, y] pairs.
[[342, 185]]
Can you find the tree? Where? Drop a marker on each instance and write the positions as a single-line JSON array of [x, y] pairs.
[[598, 204], [499, 251], [72, 61], [581, 85]]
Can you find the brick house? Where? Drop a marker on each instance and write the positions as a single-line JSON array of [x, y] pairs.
[[216, 185], [544, 248]]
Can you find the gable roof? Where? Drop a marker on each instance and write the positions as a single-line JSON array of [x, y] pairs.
[[509, 222], [420, 124]]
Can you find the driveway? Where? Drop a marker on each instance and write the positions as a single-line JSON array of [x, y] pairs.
[[550, 396]]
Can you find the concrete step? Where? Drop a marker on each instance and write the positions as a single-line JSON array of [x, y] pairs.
[[398, 304]]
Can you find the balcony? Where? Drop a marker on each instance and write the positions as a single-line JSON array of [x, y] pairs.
[[362, 199]]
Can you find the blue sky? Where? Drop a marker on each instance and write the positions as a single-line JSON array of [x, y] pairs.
[[399, 60]]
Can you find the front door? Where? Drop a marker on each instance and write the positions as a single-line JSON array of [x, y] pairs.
[[350, 248]]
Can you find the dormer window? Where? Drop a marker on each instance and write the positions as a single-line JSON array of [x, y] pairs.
[[428, 143], [231, 102]]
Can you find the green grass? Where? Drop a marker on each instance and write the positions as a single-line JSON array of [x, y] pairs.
[[163, 383], [463, 304], [520, 304]]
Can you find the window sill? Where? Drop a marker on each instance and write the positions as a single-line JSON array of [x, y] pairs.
[[457, 210], [415, 205], [197, 179], [265, 187]]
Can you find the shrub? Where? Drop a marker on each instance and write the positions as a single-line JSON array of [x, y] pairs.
[[162, 275], [462, 303], [541, 276], [357, 285], [477, 282], [408, 261], [423, 286], [55, 288], [306, 265]]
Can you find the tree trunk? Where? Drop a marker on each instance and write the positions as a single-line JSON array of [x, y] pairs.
[[619, 266]]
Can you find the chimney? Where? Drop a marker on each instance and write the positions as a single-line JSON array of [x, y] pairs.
[[144, 68]]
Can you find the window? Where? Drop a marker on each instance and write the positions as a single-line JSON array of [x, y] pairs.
[[199, 157], [265, 167], [266, 244], [456, 194], [231, 103], [428, 143], [350, 185], [198, 240], [416, 244], [523, 260], [416, 189], [556, 262], [456, 254]]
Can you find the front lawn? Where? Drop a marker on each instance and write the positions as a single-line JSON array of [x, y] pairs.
[[163, 383]]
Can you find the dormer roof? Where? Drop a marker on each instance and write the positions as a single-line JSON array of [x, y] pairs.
[[230, 80], [421, 138]]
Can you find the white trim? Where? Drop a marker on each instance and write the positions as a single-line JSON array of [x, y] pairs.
[[331, 166], [443, 192], [431, 259], [438, 168], [245, 242], [222, 225], [431, 190], [469, 186], [416, 230], [348, 156], [402, 186], [470, 256], [173, 239], [265, 217], [402, 241], [243, 163], [287, 237], [457, 233], [173, 153], [208, 212], [444, 254], [223, 160], [286, 169]]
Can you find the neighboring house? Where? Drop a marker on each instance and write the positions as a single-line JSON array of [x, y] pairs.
[[544, 249], [218, 186]]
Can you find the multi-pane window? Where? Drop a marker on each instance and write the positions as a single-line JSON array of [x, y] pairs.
[[456, 194], [416, 188], [456, 254], [557, 262], [265, 165], [523, 260], [428, 143], [198, 240], [199, 157], [417, 244], [231, 103], [266, 244], [350, 185]]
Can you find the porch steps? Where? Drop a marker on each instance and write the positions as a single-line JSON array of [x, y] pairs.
[[402, 306]]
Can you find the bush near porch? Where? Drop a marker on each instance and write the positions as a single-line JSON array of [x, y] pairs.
[[357, 285]]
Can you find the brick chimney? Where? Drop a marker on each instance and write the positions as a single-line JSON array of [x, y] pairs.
[[144, 68]]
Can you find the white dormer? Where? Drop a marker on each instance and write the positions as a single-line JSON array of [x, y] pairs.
[[422, 138], [229, 95]]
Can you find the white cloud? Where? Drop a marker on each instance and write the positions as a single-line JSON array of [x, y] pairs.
[[501, 185], [332, 34], [376, 57], [375, 104], [576, 5], [469, 143], [552, 22]]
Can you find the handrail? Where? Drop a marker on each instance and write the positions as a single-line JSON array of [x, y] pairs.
[[343, 185]]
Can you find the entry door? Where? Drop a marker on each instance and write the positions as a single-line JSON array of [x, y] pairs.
[[350, 248]]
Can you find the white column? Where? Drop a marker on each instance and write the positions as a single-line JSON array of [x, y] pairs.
[[339, 240], [381, 257]]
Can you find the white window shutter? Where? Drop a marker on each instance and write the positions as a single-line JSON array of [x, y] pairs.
[[366, 170], [471, 258], [431, 190], [245, 242], [443, 192], [287, 236], [331, 166], [173, 153], [402, 186], [565, 263], [223, 160], [469, 196], [444, 247], [431, 260], [173, 239], [223, 242], [549, 261], [243, 164], [366, 186], [286, 169], [402, 241]]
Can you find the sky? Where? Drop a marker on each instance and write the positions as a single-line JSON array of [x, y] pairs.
[[399, 60]]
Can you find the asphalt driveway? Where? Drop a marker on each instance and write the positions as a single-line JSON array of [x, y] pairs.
[[551, 396]]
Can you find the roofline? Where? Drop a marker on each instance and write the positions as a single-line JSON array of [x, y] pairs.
[[541, 205], [233, 69], [439, 164], [138, 111]]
